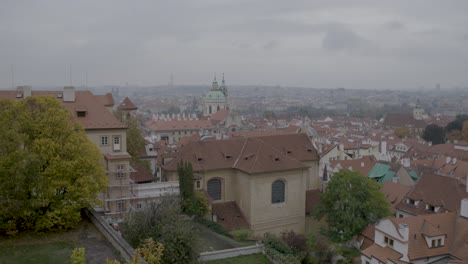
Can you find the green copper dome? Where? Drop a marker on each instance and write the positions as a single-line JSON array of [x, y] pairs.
[[215, 95]]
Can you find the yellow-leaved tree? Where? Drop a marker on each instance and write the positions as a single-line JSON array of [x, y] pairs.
[[49, 169]]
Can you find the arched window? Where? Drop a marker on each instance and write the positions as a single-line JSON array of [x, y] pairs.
[[218, 107], [277, 192], [213, 187], [209, 112]]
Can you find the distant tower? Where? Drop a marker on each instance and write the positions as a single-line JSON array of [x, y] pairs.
[[418, 111], [223, 87], [171, 80], [215, 99]]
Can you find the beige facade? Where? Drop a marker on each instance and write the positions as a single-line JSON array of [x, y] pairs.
[[253, 194]]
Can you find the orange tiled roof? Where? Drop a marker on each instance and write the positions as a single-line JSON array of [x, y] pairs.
[[127, 104], [251, 155], [97, 116], [229, 215], [434, 190], [394, 193]]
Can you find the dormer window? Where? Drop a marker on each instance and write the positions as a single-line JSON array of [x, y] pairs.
[[388, 241], [411, 201], [430, 208], [436, 243]]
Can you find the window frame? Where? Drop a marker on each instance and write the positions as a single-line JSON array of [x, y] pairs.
[[121, 205], [278, 198], [106, 139], [120, 172]]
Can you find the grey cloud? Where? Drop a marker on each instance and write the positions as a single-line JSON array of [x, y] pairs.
[[394, 25], [272, 44], [341, 38]]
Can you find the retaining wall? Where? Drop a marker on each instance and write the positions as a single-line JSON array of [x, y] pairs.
[[232, 252]]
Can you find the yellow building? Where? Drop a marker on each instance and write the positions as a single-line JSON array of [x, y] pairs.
[[259, 182]]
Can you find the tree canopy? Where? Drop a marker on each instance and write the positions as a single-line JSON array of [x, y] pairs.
[[162, 222], [350, 203], [434, 134], [192, 203], [457, 124], [49, 169]]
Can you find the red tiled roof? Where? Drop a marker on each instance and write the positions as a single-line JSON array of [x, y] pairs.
[[141, 174], [229, 215], [394, 193], [251, 155], [219, 115], [434, 190], [97, 116], [402, 120], [363, 165], [127, 104]]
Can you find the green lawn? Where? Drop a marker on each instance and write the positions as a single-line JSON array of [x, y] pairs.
[[53, 252], [248, 259]]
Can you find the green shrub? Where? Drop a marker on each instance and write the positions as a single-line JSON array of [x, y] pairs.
[[78, 256], [241, 234]]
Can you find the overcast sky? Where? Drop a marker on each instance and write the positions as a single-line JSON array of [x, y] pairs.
[[324, 44]]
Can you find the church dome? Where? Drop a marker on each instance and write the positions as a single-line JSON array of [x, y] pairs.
[[217, 94]]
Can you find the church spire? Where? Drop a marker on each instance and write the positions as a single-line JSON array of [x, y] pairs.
[[223, 87], [215, 86]]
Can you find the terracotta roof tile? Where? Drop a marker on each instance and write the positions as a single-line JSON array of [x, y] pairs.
[[229, 215], [251, 155], [127, 104], [97, 116], [394, 193], [434, 190]]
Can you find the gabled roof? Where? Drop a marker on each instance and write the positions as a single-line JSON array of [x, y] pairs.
[[97, 116], [362, 165], [434, 190], [250, 155], [394, 193], [127, 104], [402, 120]]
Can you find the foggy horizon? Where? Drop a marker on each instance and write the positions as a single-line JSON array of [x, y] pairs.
[[318, 44]]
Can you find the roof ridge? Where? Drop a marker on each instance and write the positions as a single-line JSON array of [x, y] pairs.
[[256, 156], [240, 153]]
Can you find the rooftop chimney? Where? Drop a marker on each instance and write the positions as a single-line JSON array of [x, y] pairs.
[[464, 208], [447, 161], [362, 164], [69, 94]]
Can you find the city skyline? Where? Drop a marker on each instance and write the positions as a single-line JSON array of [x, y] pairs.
[[319, 44]]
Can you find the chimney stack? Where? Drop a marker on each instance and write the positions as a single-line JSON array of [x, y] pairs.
[[69, 94]]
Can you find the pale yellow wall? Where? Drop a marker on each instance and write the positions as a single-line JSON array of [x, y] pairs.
[[95, 136], [252, 193], [268, 217], [313, 177]]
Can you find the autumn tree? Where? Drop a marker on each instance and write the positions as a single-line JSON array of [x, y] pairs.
[[162, 221], [350, 203], [401, 132], [49, 169]]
